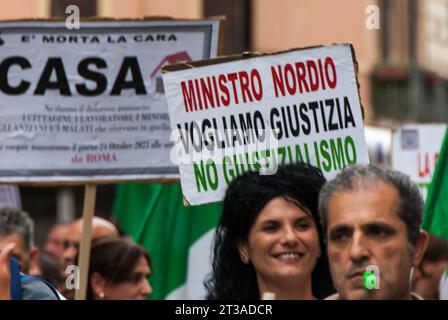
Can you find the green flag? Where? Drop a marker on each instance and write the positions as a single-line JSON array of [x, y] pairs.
[[435, 219], [177, 238]]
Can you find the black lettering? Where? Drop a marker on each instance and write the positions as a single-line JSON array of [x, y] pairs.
[[322, 112], [183, 134], [129, 64], [284, 122], [331, 125], [4, 68], [295, 131], [313, 106], [304, 116], [348, 115], [98, 78], [206, 124], [247, 128], [61, 82]]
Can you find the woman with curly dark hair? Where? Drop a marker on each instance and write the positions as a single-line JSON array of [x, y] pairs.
[[270, 239]]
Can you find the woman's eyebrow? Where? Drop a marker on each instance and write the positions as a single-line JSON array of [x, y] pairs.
[[269, 221]]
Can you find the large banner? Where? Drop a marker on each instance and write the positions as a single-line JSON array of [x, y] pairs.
[[231, 115], [415, 149], [89, 104]]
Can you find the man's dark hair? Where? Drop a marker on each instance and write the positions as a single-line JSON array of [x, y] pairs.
[[16, 221], [410, 203]]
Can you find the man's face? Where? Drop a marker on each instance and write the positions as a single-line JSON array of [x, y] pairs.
[[364, 229], [20, 252], [71, 243], [55, 241], [73, 237]]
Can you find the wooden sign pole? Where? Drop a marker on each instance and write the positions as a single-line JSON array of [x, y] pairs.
[[86, 239]]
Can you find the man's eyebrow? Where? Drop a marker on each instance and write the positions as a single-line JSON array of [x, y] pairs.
[[340, 228], [376, 226]]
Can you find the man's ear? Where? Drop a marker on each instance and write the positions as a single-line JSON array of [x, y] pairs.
[[33, 263], [420, 248], [34, 255], [98, 284], [244, 252]]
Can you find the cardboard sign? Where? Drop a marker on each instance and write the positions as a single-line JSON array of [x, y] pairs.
[[89, 104], [415, 149], [235, 114]]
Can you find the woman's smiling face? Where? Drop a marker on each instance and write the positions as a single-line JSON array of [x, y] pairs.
[[283, 243]]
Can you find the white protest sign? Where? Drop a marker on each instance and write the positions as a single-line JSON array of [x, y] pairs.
[[415, 149], [89, 104], [254, 113]]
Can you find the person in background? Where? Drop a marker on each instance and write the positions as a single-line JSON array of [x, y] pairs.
[[100, 228], [119, 270], [16, 241], [269, 240], [17, 227], [50, 270], [55, 241], [372, 218], [427, 276], [5, 271]]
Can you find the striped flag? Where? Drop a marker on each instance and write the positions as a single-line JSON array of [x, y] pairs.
[[178, 238], [435, 219]]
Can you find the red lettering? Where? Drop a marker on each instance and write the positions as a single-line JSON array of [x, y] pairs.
[[215, 89], [258, 94], [301, 74], [290, 80], [278, 81], [244, 84], [198, 94], [321, 76], [425, 171], [207, 94], [101, 157], [329, 63], [222, 86], [313, 78], [189, 99], [232, 78]]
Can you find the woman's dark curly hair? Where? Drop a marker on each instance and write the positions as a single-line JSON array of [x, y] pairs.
[[245, 198]]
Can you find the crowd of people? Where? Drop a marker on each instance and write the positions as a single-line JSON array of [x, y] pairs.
[[289, 235], [280, 234], [119, 269]]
